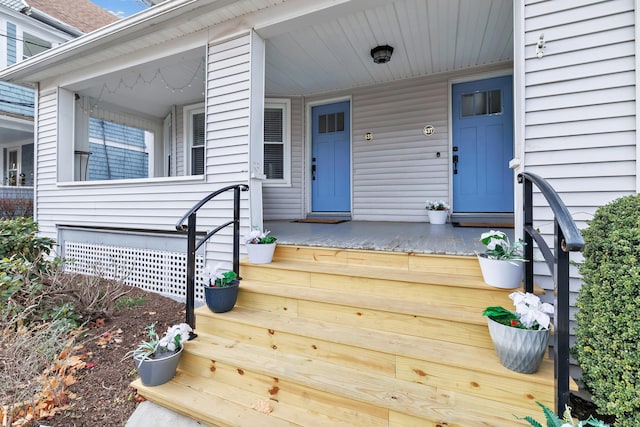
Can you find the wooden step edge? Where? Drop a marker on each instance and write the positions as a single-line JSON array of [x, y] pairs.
[[199, 405], [456, 313], [346, 255], [449, 353], [386, 392], [372, 272]]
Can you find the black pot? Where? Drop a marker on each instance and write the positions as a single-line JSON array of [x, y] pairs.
[[221, 300]]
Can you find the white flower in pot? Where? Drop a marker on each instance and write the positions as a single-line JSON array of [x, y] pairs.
[[502, 262], [438, 211], [521, 337], [260, 246], [156, 359]]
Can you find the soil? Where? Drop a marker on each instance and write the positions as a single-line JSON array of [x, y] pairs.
[[102, 396]]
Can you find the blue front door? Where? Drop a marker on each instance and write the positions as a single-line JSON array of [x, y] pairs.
[[483, 145], [331, 158]]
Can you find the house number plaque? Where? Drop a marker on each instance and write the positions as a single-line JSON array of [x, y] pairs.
[[429, 130]]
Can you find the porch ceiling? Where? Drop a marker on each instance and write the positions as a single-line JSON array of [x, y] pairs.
[[329, 50], [308, 56]]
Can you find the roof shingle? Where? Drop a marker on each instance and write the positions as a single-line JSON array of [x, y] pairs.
[[81, 14]]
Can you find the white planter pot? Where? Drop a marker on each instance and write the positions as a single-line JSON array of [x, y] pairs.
[[438, 217], [520, 350], [260, 253], [501, 273]]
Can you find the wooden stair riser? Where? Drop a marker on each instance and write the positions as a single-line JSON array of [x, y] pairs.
[[448, 407], [280, 341], [393, 260], [442, 376], [185, 396], [283, 392], [412, 291], [446, 330], [453, 354], [505, 389]]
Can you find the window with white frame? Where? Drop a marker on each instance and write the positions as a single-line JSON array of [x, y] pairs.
[[277, 141], [32, 45], [194, 136]]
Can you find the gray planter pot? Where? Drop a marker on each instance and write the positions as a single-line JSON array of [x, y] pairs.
[[221, 300], [157, 371], [520, 350]]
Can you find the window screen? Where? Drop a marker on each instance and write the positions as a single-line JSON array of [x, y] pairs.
[[274, 143], [197, 146]]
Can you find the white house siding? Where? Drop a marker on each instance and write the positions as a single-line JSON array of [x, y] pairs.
[[286, 202], [395, 173], [579, 107], [157, 204], [227, 129]]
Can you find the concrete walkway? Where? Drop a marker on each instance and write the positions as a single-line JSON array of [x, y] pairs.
[[148, 414]]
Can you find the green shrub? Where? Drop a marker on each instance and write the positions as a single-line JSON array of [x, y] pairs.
[[18, 237], [608, 332]]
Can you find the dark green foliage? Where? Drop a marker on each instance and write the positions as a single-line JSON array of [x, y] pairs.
[[503, 316], [608, 333], [18, 237], [554, 420]]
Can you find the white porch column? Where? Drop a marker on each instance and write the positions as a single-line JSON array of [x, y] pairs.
[[256, 132]]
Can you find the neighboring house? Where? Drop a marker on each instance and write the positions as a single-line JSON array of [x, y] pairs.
[[285, 96], [28, 28]]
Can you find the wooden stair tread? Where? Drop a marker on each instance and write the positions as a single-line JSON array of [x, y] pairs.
[[437, 311], [448, 279], [449, 353], [185, 391], [406, 397], [451, 279]]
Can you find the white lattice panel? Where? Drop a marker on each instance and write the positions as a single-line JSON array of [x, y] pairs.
[[162, 272]]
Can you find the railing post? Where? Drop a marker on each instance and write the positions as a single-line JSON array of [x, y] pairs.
[[528, 239], [236, 230], [561, 333], [191, 270]]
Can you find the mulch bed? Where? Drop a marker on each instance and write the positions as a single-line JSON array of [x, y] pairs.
[[102, 395]]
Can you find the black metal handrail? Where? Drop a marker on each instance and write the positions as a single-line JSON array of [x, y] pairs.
[[567, 238], [193, 245]]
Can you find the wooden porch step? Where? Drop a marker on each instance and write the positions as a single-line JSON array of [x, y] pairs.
[[186, 394], [284, 377], [424, 360], [418, 318], [333, 337], [413, 286], [409, 261]]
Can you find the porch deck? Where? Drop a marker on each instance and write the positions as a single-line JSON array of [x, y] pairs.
[[416, 237]]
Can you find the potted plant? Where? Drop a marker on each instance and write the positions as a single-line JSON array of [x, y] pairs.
[[438, 211], [156, 359], [501, 263], [521, 337], [221, 291], [260, 246]]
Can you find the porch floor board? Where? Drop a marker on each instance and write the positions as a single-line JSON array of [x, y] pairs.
[[418, 237]]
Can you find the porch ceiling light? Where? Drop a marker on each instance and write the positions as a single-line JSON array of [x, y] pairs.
[[381, 54]]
